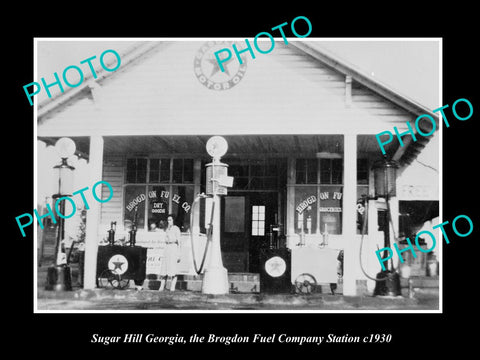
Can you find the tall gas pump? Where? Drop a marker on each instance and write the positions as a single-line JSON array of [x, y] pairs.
[[215, 278], [387, 282]]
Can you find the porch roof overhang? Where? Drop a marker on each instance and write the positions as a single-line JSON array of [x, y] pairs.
[[251, 146]]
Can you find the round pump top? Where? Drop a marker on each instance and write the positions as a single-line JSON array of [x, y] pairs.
[[217, 146], [65, 147]]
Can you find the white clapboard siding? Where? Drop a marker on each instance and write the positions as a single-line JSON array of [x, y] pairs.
[[113, 172]]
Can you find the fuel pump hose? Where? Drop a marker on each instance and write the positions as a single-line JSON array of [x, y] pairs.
[[364, 225], [209, 234]]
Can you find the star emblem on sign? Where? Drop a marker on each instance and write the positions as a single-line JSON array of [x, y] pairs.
[[216, 66], [118, 264], [275, 266], [209, 72]]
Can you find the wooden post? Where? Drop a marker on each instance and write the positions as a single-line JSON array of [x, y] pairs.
[[197, 171], [290, 230], [370, 244], [349, 224], [93, 214], [375, 237], [394, 213]]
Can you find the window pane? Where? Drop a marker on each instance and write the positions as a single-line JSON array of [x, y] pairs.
[[300, 171], [134, 206], [312, 171], [181, 198], [270, 183], [256, 169], [154, 170], [158, 197], [187, 170], [141, 170], [337, 171], [254, 229], [325, 171], [131, 170], [238, 170], [271, 168], [164, 170], [331, 207], [362, 172], [177, 170], [240, 183], [256, 183], [136, 170], [261, 228], [306, 209]]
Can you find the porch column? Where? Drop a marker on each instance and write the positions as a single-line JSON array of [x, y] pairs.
[[371, 243], [394, 213], [197, 173], [290, 229], [349, 224], [93, 214]]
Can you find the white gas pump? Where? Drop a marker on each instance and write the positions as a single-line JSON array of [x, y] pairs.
[[215, 277]]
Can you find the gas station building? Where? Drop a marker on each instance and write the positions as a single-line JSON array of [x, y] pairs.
[[300, 125]]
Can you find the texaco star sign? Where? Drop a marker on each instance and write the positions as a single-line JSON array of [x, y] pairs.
[[208, 71]]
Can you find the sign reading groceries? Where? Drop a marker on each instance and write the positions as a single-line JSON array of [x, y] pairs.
[[322, 196]]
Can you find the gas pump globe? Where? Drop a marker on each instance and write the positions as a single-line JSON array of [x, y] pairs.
[[58, 274], [216, 171], [65, 147]]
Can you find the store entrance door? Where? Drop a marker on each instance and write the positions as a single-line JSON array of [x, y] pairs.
[[245, 224]]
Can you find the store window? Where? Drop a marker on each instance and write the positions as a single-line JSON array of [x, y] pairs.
[[156, 187], [158, 203], [159, 170], [134, 206], [319, 196], [136, 170], [306, 209], [182, 197]]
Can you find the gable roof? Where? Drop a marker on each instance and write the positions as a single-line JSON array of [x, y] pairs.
[[129, 57], [405, 154], [144, 50], [321, 54]]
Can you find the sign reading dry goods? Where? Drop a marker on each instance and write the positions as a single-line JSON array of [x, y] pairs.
[[207, 70]]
